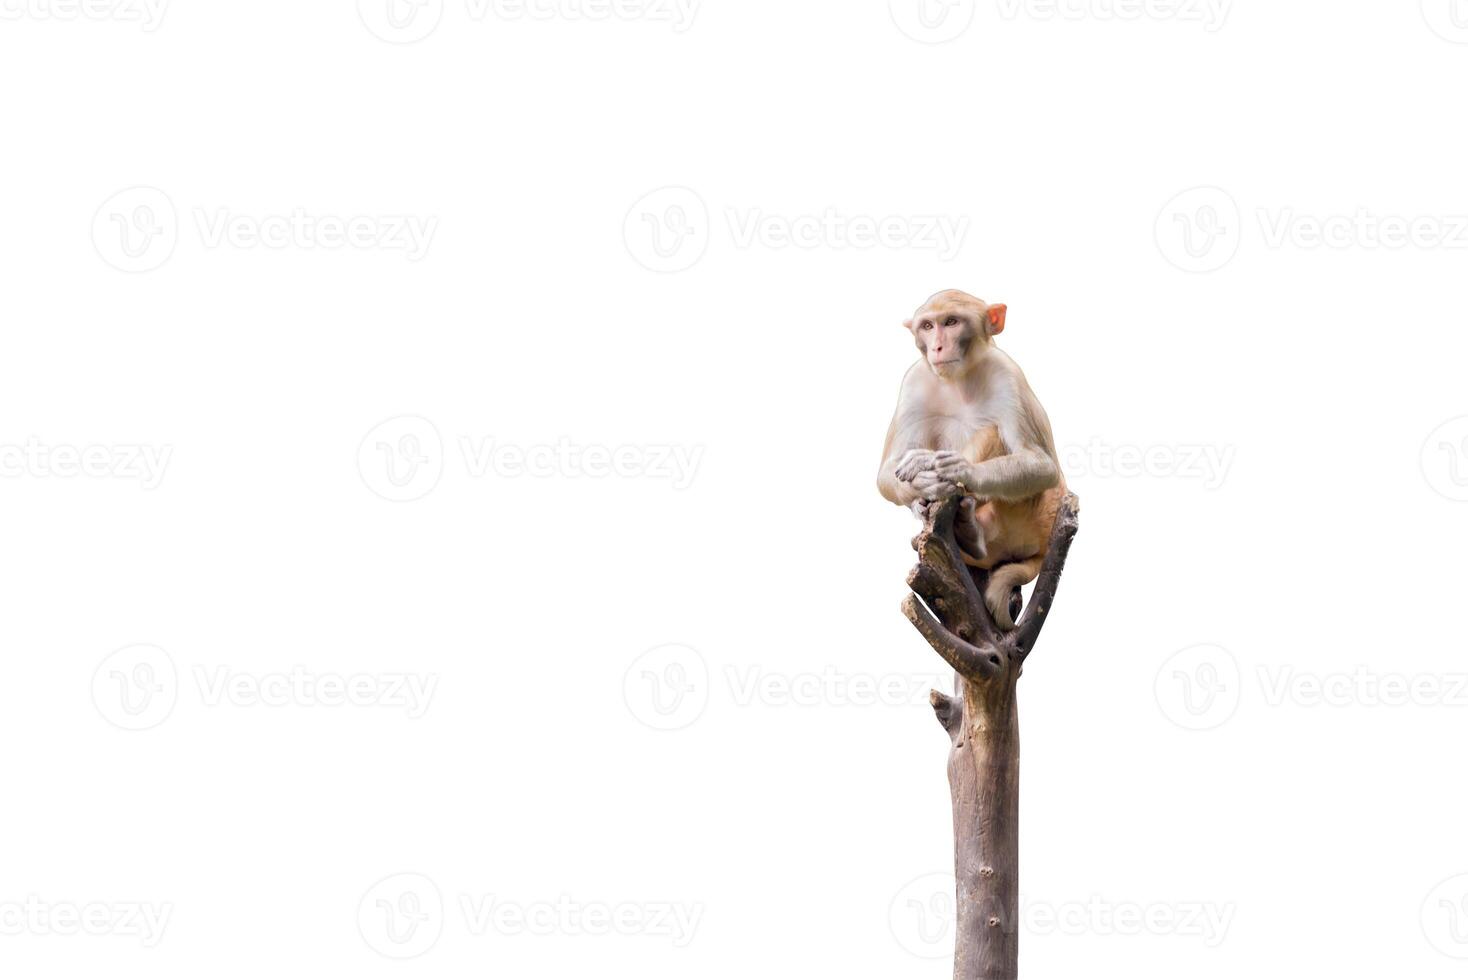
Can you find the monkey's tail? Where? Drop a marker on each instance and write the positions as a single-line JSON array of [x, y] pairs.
[[1002, 583]]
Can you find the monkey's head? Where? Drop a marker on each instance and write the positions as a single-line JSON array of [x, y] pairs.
[[954, 330]]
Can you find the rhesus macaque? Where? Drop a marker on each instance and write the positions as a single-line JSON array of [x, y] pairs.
[[967, 424]]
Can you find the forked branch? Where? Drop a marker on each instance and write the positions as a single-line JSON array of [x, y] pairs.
[[948, 610]]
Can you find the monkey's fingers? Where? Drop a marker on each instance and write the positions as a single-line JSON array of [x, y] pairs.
[[951, 470], [939, 491], [913, 463]]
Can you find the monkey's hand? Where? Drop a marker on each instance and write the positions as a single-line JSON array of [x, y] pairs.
[[953, 468], [913, 462], [934, 487]]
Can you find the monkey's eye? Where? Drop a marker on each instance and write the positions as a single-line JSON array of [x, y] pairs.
[[926, 325], [951, 322]]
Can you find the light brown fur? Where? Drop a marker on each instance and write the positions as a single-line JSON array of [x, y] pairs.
[[1012, 530], [967, 424]]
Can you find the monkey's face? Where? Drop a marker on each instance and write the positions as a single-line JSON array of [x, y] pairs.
[[952, 330]]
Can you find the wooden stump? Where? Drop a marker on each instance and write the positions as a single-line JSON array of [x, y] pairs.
[[982, 720]]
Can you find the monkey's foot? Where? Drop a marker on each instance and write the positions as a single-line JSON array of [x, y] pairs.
[[1004, 606]]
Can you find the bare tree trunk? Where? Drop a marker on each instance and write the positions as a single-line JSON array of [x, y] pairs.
[[982, 719]]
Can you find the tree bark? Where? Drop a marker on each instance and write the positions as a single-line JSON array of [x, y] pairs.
[[982, 720]]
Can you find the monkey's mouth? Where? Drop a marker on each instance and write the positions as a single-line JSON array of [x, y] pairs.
[[941, 363]]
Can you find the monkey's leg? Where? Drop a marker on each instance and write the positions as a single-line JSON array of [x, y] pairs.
[[968, 532], [1003, 589]]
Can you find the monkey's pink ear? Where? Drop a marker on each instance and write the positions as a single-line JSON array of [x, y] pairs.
[[907, 325], [996, 318]]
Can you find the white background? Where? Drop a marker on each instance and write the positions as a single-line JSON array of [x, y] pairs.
[[1210, 723]]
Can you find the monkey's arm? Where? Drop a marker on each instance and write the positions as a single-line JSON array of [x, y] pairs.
[[889, 484], [1013, 477], [1027, 467], [901, 451]]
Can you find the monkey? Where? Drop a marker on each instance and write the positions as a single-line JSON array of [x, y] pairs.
[[968, 425]]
